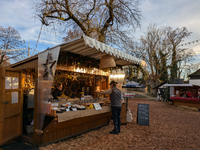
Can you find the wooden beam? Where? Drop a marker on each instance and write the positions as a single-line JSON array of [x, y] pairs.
[[74, 47]]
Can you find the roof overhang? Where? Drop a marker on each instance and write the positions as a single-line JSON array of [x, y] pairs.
[[86, 46], [160, 85], [180, 85], [92, 48]]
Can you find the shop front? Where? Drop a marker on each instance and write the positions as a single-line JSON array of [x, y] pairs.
[[79, 108]]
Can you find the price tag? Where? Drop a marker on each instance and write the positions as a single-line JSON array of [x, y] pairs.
[[54, 104], [97, 106], [74, 109]]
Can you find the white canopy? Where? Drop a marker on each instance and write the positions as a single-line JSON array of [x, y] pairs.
[[87, 46]]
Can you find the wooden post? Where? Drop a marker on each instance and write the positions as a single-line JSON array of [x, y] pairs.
[[21, 92], [2, 95], [36, 137]]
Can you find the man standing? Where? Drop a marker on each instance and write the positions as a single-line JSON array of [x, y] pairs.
[[115, 98]]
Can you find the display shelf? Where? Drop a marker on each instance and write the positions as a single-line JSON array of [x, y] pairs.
[[86, 104]]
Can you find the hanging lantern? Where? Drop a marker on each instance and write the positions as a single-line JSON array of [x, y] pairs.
[[107, 61]]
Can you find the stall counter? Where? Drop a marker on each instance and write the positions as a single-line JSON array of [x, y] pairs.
[[81, 113], [59, 126], [191, 102]]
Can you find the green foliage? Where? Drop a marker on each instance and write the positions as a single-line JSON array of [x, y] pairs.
[[163, 70], [174, 67], [134, 73], [167, 94], [159, 48]]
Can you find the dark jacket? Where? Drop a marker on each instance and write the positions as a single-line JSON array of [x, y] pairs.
[[56, 93], [115, 97]]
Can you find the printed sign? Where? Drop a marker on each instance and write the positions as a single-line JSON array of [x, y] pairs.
[[54, 104], [14, 97], [131, 95], [97, 106]]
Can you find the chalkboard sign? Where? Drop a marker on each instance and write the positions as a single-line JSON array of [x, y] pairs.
[[143, 114]]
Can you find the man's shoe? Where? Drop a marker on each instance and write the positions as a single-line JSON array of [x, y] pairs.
[[114, 132]]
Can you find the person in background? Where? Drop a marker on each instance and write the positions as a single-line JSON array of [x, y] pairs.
[[115, 98], [57, 92], [26, 120]]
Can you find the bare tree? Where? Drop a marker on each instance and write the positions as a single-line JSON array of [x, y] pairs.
[[151, 51], [185, 60], [9, 40], [72, 34], [189, 69], [175, 37], [97, 19], [5, 63], [159, 48]]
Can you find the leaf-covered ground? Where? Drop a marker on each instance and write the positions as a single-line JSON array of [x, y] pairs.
[[170, 128]]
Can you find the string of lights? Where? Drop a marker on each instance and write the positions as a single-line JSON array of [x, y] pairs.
[[34, 50], [41, 28], [193, 45], [9, 50], [191, 42], [38, 39]]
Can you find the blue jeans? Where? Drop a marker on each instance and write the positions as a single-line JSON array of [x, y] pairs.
[[116, 112]]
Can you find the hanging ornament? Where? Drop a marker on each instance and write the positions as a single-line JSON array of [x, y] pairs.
[[107, 61]]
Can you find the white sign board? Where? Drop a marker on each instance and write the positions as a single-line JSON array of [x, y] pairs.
[[97, 106], [14, 97], [54, 104]]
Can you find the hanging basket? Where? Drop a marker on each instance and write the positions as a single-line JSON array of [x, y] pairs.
[[107, 61]]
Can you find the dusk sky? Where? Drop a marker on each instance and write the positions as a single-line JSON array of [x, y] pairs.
[[175, 13]]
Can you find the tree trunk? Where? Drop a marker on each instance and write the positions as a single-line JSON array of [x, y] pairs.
[[174, 67], [1, 60]]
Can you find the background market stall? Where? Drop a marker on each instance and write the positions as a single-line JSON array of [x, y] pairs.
[[39, 72], [184, 94]]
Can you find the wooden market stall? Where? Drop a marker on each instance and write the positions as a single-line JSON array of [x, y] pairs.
[[184, 94], [75, 64]]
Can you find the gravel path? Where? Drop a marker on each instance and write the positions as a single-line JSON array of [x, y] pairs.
[[143, 95], [170, 128]]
